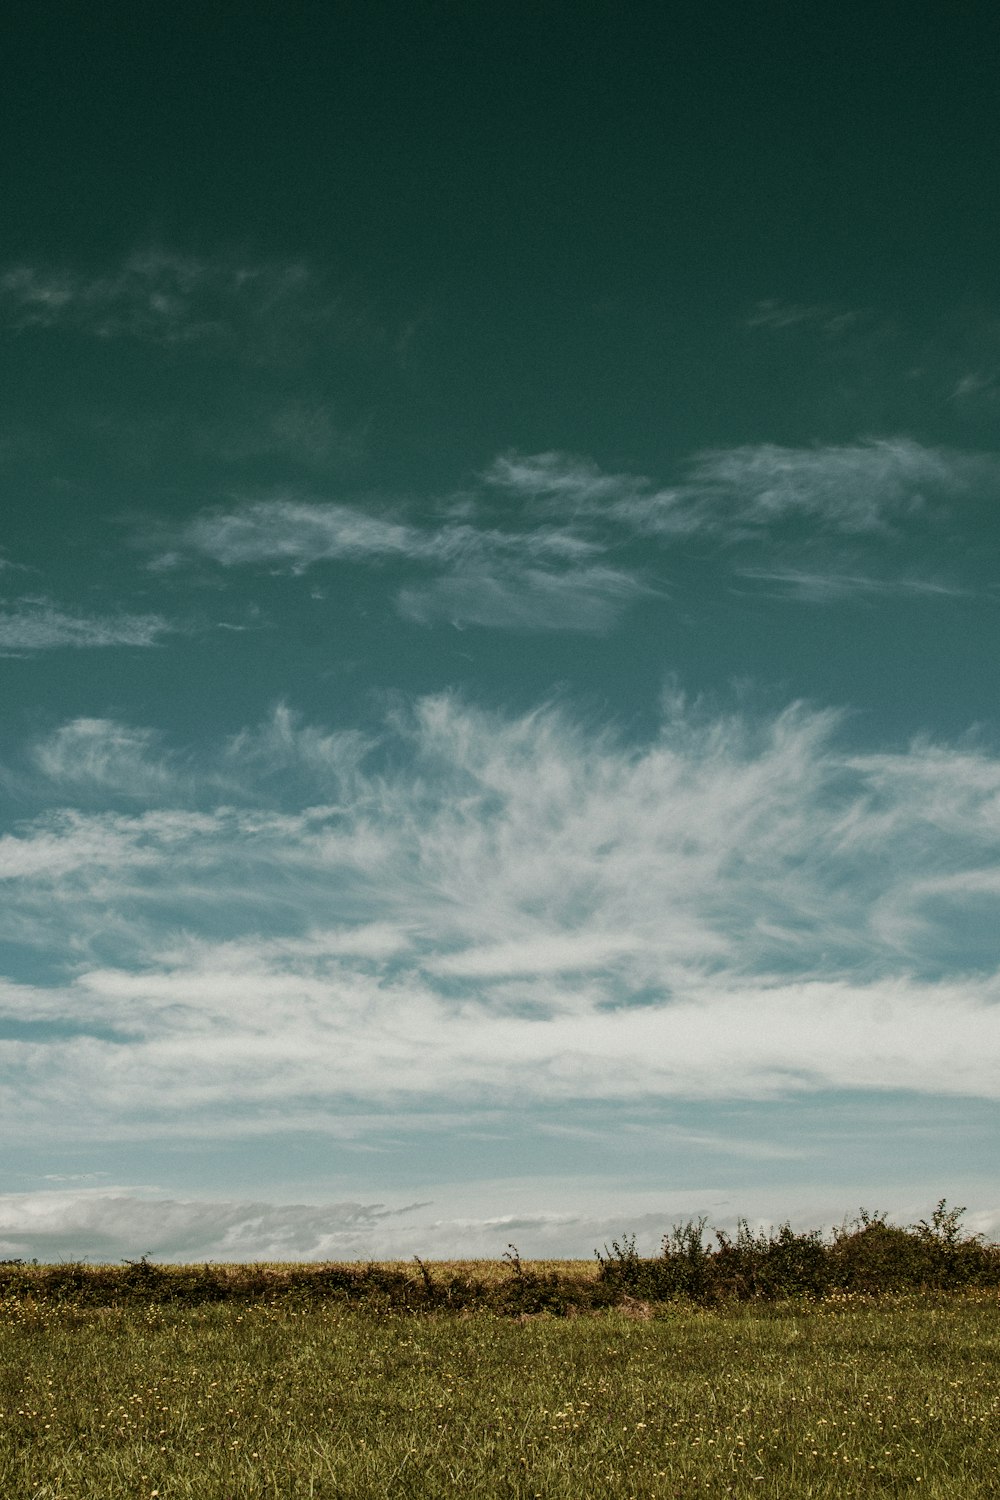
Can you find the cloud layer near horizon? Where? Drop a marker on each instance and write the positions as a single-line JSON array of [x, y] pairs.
[[106, 1224]]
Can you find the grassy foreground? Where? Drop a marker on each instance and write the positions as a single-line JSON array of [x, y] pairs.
[[247, 1400]]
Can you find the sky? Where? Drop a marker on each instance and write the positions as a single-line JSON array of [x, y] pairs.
[[499, 623]]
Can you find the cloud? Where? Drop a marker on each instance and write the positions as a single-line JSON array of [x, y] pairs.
[[834, 588], [564, 953], [300, 534], [284, 744], [977, 386], [115, 1224], [737, 494], [65, 842], [774, 314], [575, 481], [546, 1218], [37, 625], [217, 1045], [541, 542], [581, 599], [542, 578], [857, 488], [103, 756], [154, 295], [159, 296], [105, 1224], [484, 909]]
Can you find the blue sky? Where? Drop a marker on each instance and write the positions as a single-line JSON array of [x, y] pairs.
[[498, 627]]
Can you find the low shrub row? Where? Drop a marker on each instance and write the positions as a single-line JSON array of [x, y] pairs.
[[868, 1257], [520, 1289]]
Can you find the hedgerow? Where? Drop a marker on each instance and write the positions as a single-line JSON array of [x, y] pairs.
[[866, 1257]]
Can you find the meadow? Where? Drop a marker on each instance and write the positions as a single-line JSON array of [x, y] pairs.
[[503, 1379]]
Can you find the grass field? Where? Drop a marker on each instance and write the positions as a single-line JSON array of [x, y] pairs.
[[241, 1401]]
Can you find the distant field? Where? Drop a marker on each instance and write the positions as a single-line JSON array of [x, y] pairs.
[[242, 1400]]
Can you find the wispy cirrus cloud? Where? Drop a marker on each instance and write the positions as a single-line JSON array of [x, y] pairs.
[[507, 910], [978, 386], [541, 541], [298, 534], [773, 313], [34, 624], [541, 577], [154, 294], [580, 599], [834, 587], [68, 843], [301, 533], [739, 493], [857, 488], [102, 756], [157, 295]]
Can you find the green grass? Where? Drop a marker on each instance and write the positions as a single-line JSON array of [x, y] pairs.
[[245, 1400]]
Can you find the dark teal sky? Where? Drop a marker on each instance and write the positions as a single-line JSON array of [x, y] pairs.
[[545, 228], [499, 609]]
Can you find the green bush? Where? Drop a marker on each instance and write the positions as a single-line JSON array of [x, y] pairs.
[[868, 1257]]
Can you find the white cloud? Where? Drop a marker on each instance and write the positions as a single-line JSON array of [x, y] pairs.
[[856, 488], [299, 534], [541, 578], [833, 588], [114, 1224], [936, 792], [37, 625], [94, 757], [569, 478], [530, 547], [102, 755], [69, 842], [774, 314], [551, 954], [216, 1045], [284, 743], [582, 599], [505, 909], [737, 493]]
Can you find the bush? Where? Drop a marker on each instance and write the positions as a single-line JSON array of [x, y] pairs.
[[868, 1256], [771, 1265]]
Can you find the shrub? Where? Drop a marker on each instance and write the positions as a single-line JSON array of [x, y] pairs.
[[867, 1256], [771, 1264]]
